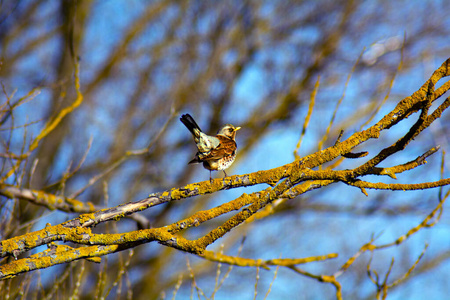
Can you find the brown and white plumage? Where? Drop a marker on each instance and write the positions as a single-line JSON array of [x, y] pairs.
[[215, 152]]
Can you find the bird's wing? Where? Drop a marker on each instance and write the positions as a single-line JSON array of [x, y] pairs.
[[205, 143], [225, 148]]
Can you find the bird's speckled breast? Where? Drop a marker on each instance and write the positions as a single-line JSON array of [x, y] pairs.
[[226, 162]]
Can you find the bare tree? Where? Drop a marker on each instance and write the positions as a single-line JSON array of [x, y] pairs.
[[94, 158]]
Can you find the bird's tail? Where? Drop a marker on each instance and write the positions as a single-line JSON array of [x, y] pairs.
[[190, 124]]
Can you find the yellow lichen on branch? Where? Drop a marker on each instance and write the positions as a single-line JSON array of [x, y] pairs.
[[248, 262], [50, 201], [17, 267], [285, 183]]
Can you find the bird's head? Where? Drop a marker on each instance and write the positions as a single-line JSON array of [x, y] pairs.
[[229, 131]]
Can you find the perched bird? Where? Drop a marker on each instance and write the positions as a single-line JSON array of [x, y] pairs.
[[215, 152]]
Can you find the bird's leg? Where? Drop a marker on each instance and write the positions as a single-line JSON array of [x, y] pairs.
[[210, 178], [224, 176]]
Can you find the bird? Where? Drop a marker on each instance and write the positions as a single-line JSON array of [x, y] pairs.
[[215, 152]]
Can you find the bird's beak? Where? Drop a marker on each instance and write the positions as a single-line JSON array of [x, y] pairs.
[[237, 128]]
